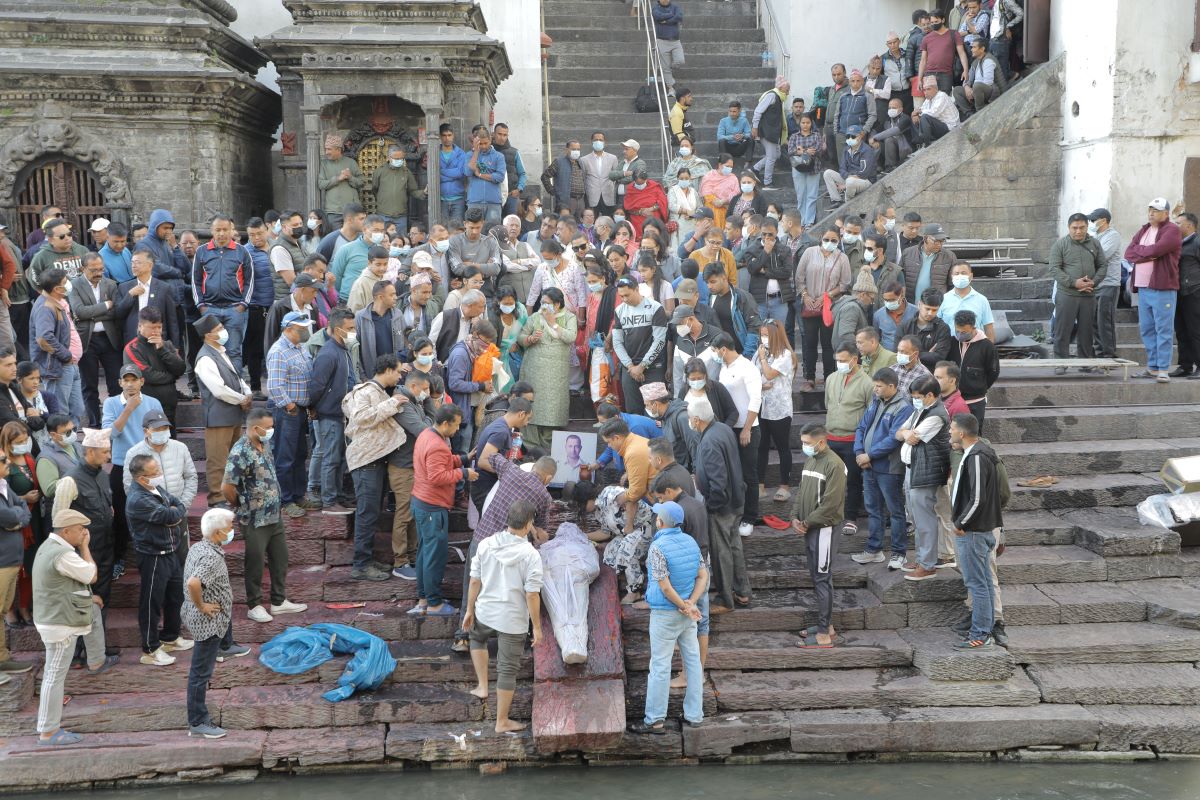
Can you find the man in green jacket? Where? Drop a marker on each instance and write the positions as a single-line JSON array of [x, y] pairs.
[[339, 179], [848, 393], [393, 185], [819, 506], [1074, 261]]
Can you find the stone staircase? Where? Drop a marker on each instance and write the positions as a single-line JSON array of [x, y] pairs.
[[598, 62]]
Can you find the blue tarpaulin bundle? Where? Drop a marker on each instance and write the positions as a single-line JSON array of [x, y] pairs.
[[298, 650]]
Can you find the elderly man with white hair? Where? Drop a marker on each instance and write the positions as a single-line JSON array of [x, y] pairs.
[[936, 117], [519, 258], [454, 325], [207, 611]]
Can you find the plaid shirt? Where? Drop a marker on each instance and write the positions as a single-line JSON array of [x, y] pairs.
[[909, 376], [288, 368], [513, 484]]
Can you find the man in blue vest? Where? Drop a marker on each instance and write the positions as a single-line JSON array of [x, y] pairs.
[[678, 581]]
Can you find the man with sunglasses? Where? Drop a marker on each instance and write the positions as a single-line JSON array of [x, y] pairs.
[[61, 251]]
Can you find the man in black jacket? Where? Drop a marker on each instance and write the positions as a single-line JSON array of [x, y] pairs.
[[977, 361], [157, 525], [11, 399], [975, 499], [159, 360], [156, 293], [1187, 308], [771, 273], [935, 336], [302, 297], [93, 300], [718, 471]]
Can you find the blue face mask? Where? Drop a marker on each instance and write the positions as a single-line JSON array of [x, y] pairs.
[[228, 537], [426, 360], [919, 403], [598, 146], [726, 170], [809, 450], [697, 385], [395, 252], [277, 227]]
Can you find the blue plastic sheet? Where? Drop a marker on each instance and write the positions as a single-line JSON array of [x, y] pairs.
[[298, 650]]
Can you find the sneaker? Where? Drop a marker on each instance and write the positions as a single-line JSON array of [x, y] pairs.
[[337, 510], [965, 644], [118, 569], [999, 633], [909, 566], [14, 667], [258, 614], [745, 529], [158, 658], [368, 573], [208, 731], [310, 503], [920, 574], [406, 572], [288, 607], [109, 663], [294, 510], [850, 528], [179, 644], [896, 562], [1163, 377], [867, 557], [236, 651], [946, 563]]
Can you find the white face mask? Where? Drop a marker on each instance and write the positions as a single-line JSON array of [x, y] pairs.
[[222, 337], [961, 281], [422, 397], [596, 287], [573, 155], [378, 237], [745, 231], [228, 537], [157, 482], [889, 224], [685, 152], [442, 246], [23, 448], [851, 238], [160, 437], [1092, 229], [639, 186], [892, 305], [843, 367], [851, 141], [397, 162], [685, 183], [618, 218], [893, 112], [425, 360], [507, 308], [829, 247], [747, 188], [773, 215], [598, 146], [266, 435], [683, 330], [351, 338], [697, 385], [868, 256], [313, 224], [902, 359]]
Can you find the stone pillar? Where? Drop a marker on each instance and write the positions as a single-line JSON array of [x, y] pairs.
[[312, 153], [433, 164]]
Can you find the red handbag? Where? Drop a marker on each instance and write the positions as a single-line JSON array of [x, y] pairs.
[[827, 311]]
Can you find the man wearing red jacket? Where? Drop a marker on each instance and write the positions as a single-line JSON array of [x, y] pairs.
[[436, 472], [1154, 253]]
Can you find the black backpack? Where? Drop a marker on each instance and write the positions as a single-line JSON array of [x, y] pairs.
[[646, 100]]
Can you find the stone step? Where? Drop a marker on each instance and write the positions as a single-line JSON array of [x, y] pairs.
[[629, 38], [1008, 289], [1100, 602], [941, 729], [1082, 424], [125, 712], [315, 747], [615, 97], [1166, 729], [635, 698], [628, 119], [722, 735], [456, 742], [791, 572], [1169, 601], [1101, 457], [774, 650], [1127, 332], [1118, 532], [936, 656], [863, 688], [568, 76], [1119, 642], [1132, 684], [788, 610], [1085, 491], [1032, 388], [1050, 564], [613, 12]]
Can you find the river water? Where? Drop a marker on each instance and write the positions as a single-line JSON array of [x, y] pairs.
[[1162, 780]]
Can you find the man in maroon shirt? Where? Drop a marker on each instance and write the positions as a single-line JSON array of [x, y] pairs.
[[937, 53]]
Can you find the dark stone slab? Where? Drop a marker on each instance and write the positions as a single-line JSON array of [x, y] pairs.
[[722, 735], [635, 697], [17, 693], [886, 617], [1024, 528], [413, 702], [779, 650], [584, 716], [634, 746], [604, 648], [1095, 602], [429, 661], [1007, 426], [1131, 684], [1170, 601], [1115, 534], [441, 743], [1027, 605], [1118, 642], [935, 615], [1166, 729], [302, 706], [935, 655], [1086, 458], [1184, 564], [940, 730], [310, 747], [891, 587], [780, 609], [791, 572], [1085, 491]]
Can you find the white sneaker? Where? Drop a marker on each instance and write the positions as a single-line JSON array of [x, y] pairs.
[[288, 607], [179, 644], [867, 557], [745, 529], [158, 658], [258, 614], [897, 562]]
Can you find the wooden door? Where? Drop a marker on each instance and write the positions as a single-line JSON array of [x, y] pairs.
[[72, 188], [1037, 31]]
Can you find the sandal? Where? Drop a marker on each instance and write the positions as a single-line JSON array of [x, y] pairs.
[[741, 602], [782, 495], [62, 736], [811, 643], [1040, 482], [776, 523]]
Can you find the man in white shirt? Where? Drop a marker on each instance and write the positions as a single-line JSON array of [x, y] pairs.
[[225, 399], [936, 117], [744, 383]]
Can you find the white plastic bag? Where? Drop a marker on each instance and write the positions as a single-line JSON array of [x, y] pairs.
[[569, 565], [1169, 510]]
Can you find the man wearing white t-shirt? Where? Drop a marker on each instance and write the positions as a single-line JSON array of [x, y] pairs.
[[744, 383]]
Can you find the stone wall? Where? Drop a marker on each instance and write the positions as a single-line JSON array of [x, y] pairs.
[[998, 174]]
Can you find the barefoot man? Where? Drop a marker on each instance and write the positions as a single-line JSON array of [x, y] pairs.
[[506, 585]]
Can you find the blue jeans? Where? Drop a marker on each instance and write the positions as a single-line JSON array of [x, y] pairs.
[[808, 189], [667, 629], [400, 222], [452, 209], [332, 435], [491, 213], [314, 460], [368, 489], [289, 447], [973, 551], [69, 391], [204, 658], [884, 495], [235, 323], [1000, 46], [511, 204], [433, 535], [774, 308], [1156, 323]]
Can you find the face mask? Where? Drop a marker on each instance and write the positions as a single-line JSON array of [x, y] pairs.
[[313, 224], [773, 215], [747, 188], [157, 482], [552, 262], [160, 437], [829, 247], [961, 281], [809, 450], [639, 186], [397, 162], [745, 232], [893, 112], [850, 238], [67, 288], [684, 152], [266, 435], [937, 26], [442, 246], [222, 337], [868, 256], [598, 146], [618, 218], [1092, 229], [507, 308], [425, 361], [574, 155], [726, 170], [395, 252], [889, 224], [652, 414], [277, 227], [22, 449], [892, 305], [697, 385], [902, 359], [595, 288], [964, 337], [685, 183], [378, 238], [851, 141], [351, 338], [228, 537], [683, 330]]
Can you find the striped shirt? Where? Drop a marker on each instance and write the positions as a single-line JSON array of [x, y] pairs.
[[288, 368]]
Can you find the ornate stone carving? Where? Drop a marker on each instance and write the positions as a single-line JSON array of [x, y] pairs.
[[54, 133], [288, 142], [368, 132]]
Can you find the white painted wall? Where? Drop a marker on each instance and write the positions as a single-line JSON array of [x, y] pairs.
[[517, 23]]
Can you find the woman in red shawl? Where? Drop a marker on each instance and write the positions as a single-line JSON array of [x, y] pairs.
[[644, 198]]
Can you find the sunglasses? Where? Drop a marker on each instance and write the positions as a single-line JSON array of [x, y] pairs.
[[63, 236], [579, 248]]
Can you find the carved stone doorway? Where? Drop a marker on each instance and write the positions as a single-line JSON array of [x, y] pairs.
[[64, 184]]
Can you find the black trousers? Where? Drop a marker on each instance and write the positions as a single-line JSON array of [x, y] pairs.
[[1187, 329], [166, 396], [632, 389], [748, 455], [18, 314], [252, 346], [978, 409], [776, 432], [815, 330], [855, 507], [100, 354], [120, 530], [160, 599]]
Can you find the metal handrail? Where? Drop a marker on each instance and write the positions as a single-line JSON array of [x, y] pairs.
[[778, 40], [655, 72], [544, 56]]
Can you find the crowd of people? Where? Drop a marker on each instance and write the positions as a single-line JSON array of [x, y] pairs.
[[424, 369]]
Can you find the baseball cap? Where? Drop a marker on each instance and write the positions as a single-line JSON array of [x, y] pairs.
[[703, 212], [682, 313], [631, 143], [131, 369], [3, 225], [672, 510], [155, 419], [1100, 213], [1160, 204], [296, 318], [304, 281], [936, 231], [99, 224], [854, 130], [686, 290]]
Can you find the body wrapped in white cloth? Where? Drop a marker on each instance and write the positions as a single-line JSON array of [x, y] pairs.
[[569, 565]]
